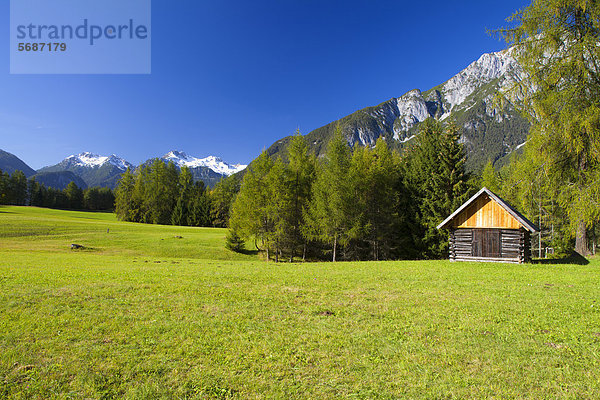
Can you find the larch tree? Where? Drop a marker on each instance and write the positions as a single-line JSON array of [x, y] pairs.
[[182, 207], [279, 206], [381, 198], [300, 177], [490, 178], [329, 213], [222, 198], [250, 218], [557, 45]]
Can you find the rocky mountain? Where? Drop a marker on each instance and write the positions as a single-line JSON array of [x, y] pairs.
[[105, 171], [469, 99], [95, 170], [213, 163], [209, 170], [59, 179], [10, 163]]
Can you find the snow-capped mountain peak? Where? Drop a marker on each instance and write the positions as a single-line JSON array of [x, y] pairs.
[[91, 160], [214, 163]]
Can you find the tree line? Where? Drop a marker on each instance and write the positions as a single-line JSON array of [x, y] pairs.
[[356, 203], [160, 193], [16, 189], [371, 203]]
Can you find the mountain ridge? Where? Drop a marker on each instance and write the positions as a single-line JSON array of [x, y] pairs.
[[10, 163], [468, 99], [216, 164], [93, 169], [59, 179], [105, 171]]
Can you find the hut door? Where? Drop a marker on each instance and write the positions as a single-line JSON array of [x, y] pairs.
[[486, 243]]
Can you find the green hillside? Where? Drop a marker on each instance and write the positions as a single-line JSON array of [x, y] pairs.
[[142, 314], [10, 163], [106, 175]]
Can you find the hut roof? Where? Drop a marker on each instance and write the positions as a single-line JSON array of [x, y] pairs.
[[524, 222]]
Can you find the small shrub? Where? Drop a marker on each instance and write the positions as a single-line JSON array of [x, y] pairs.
[[234, 242]]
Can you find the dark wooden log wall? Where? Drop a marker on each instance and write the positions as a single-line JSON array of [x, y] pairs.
[[461, 243], [515, 245]]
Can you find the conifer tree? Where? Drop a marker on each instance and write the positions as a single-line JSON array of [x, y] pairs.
[[74, 196], [141, 211], [91, 199], [199, 206], [329, 211], [17, 188], [36, 193], [160, 191], [300, 177], [490, 178], [374, 174], [3, 188], [438, 183], [557, 47], [250, 216], [278, 207], [234, 242], [180, 212], [97, 198], [124, 203], [222, 198], [537, 195]]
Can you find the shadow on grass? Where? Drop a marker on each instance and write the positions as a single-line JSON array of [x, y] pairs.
[[248, 252], [4, 211], [574, 258]]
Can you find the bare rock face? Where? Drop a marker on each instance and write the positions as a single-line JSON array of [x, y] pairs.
[[469, 99]]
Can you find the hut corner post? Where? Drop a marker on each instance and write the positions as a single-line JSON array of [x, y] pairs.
[[451, 245]]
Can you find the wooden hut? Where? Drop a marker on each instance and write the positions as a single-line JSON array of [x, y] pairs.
[[486, 228]]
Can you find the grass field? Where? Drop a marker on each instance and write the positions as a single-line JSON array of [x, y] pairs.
[[141, 313]]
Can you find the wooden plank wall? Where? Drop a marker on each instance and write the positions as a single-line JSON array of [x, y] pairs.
[[515, 246], [512, 245], [485, 213], [461, 243]]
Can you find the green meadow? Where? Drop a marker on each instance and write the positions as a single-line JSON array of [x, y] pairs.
[[150, 312]]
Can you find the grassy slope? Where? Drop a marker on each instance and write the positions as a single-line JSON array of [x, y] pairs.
[[51, 232], [142, 317]]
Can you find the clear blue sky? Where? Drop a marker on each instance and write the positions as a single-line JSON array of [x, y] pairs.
[[231, 77]]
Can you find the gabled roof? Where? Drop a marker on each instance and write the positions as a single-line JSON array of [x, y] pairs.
[[514, 213]]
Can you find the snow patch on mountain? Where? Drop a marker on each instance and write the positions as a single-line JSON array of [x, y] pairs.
[[91, 160], [521, 145], [408, 138], [214, 163]]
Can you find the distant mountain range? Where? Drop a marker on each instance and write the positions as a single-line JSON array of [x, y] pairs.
[[95, 170], [90, 170], [469, 99], [209, 170]]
